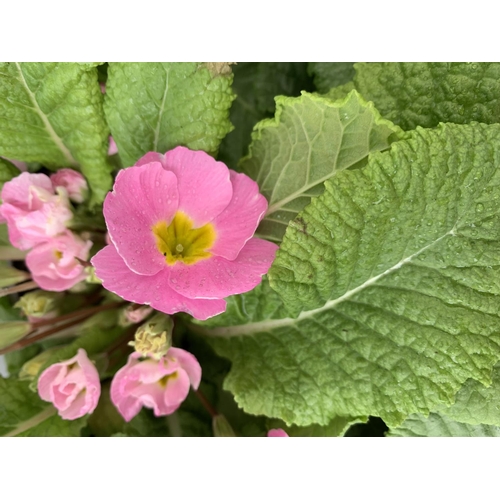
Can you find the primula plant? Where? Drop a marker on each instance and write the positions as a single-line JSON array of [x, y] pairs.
[[250, 249]]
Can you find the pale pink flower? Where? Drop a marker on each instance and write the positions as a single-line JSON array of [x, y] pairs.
[[161, 385], [277, 433], [34, 212], [72, 386], [182, 226], [53, 265], [71, 180]]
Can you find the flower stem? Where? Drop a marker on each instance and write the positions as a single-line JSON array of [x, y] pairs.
[[23, 287], [85, 312], [204, 401]]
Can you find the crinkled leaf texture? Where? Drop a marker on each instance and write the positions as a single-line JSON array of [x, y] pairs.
[[310, 139], [7, 171], [392, 281], [23, 413], [476, 404], [52, 113], [437, 425], [425, 94], [157, 106]]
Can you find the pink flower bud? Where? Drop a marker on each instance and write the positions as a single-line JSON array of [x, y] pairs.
[[277, 433], [53, 265], [34, 212], [136, 314], [161, 385], [73, 181], [72, 386]]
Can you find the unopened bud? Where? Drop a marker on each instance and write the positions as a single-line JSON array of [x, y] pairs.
[[39, 304], [30, 369], [221, 427], [133, 314], [91, 277], [10, 275], [12, 331], [154, 338]]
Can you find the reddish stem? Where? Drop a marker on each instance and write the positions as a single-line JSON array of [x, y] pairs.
[[206, 403]]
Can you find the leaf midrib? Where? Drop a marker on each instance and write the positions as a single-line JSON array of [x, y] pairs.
[[48, 127], [267, 325]]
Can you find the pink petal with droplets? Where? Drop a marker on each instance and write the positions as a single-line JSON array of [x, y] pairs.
[[205, 188], [238, 222], [141, 197], [218, 278], [152, 290]]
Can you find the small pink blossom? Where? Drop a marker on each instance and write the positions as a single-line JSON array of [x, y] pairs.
[[73, 181], [181, 227], [33, 210], [53, 265], [72, 386], [161, 385], [277, 433]]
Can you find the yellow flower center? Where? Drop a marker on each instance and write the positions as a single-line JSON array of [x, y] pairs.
[[178, 241]]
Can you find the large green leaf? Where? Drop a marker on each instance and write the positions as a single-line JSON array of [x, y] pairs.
[[394, 273], [411, 94], [52, 113], [23, 413], [476, 404], [310, 140], [7, 172], [157, 106], [256, 85], [436, 425]]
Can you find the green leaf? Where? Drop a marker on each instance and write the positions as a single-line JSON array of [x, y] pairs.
[[7, 172], [7, 251], [411, 94], [437, 425], [476, 404], [52, 113], [394, 273], [331, 74], [340, 92], [310, 139], [337, 427], [256, 84], [11, 276], [12, 331], [23, 413], [157, 106]]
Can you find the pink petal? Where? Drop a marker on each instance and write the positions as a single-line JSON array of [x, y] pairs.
[[57, 274], [151, 290], [19, 191], [188, 363], [238, 222], [177, 389], [141, 197], [217, 277], [46, 380], [204, 185], [77, 409], [277, 433]]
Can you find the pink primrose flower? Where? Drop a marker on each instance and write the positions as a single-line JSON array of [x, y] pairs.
[[277, 433], [53, 265], [181, 227], [161, 385], [34, 212], [72, 386], [71, 180]]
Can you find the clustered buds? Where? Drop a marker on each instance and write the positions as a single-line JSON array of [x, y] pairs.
[[36, 209]]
